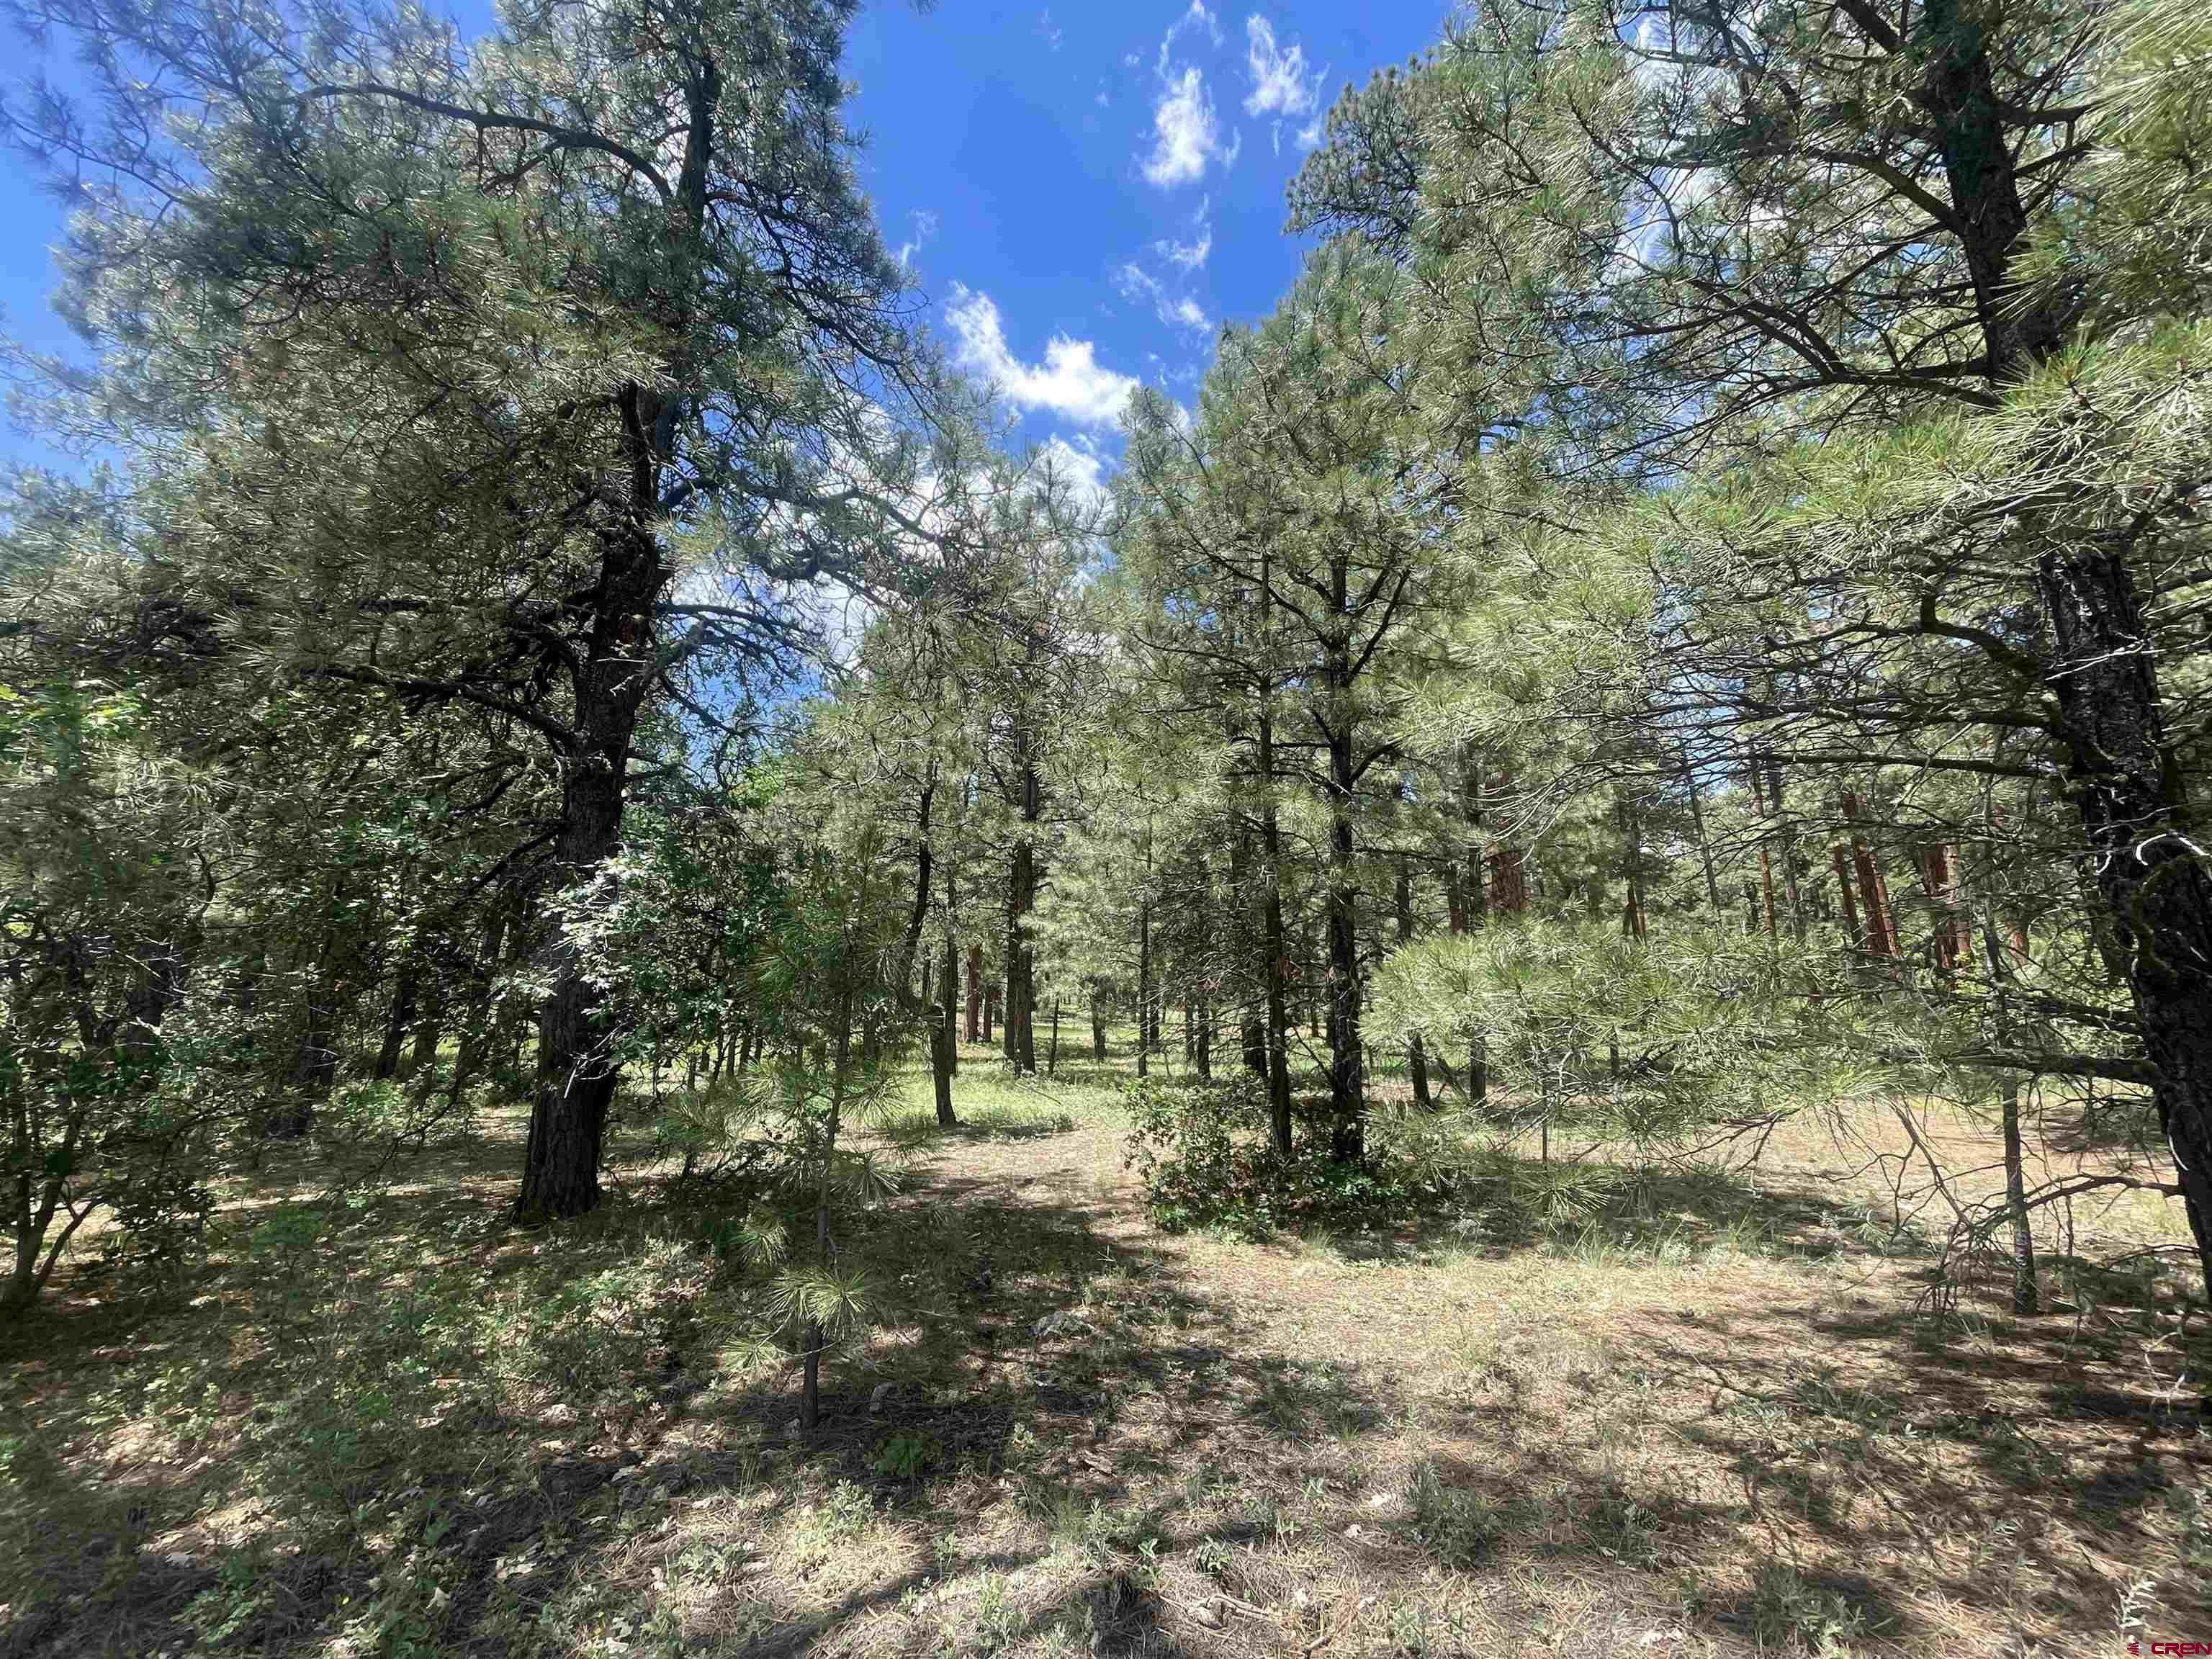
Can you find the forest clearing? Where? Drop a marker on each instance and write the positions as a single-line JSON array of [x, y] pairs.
[[702, 953], [1710, 1415]]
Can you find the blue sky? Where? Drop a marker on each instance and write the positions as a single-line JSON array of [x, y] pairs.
[[1087, 192], [1083, 193]]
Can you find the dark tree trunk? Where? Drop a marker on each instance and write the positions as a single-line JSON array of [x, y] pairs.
[[2026, 1299], [1347, 1084], [944, 1051], [1251, 999], [1851, 924], [1881, 931], [1098, 1027], [576, 1067], [423, 1060], [2124, 776], [314, 1066], [395, 1027], [1771, 771], [1021, 900], [2101, 676], [1275, 939], [1021, 984], [1144, 989], [1417, 1056], [1698, 823], [1052, 1059], [975, 993]]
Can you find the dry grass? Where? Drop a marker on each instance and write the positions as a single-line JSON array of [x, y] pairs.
[[1720, 1416]]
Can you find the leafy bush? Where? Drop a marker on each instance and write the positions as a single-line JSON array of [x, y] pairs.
[[907, 1453], [1202, 1155]]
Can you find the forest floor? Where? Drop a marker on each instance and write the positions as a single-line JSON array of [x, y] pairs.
[[1723, 1415]]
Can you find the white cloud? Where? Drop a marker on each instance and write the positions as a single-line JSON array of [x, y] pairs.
[[1185, 130], [1280, 83], [1177, 311], [1198, 17], [1185, 133], [1282, 86], [1070, 382], [925, 228], [1049, 29], [1191, 255]]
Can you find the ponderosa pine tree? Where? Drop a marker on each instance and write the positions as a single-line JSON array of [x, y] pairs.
[[459, 358], [1689, 237]]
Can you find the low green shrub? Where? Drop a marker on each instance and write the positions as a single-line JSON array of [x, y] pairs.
[[1202, 1155]]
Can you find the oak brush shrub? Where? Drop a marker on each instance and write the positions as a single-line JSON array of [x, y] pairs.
[[1202, 1153]]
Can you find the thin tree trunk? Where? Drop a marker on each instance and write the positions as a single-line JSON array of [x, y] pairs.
[[1631, 915], [395, 1027], [1144, 988], [1881, 937], [1251, 1000], [944, 1051], [1275, 939], [1851, 907], [1772, 773], [2025, 1297], [1698, 823], [1347, 1084], [1417, 1057], [1021, 900], [422, 1057]]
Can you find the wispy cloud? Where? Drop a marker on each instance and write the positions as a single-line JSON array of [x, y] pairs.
[[1198, 17], [925, 229], [1177, 311], [1185, 130], [1191, 255], [1070, 381], [1049, 30], [1282, 84]]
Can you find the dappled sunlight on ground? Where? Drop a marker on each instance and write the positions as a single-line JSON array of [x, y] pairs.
[[1716, 1416]]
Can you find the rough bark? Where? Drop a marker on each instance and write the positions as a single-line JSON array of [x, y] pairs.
[[395, 1027], [1348, 1083], [2101, 676], [610, 677], [1879, 931], [943, 1052], [1021, 981]]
